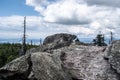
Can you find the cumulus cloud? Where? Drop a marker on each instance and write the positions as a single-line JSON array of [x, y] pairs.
[[39, 5], [80, 30], [37, 2], [12, 26], [67, 12], [16, 22], [63, 11], [83, 17], [110, 3]]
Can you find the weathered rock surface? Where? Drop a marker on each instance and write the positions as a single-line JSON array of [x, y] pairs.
[[73, 62], [37, 66], [18, 69], [114, 56], [48, 67], [57, 41], [60, 38], [86, 63]]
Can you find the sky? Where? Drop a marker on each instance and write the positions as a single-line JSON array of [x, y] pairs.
[[84, 18]]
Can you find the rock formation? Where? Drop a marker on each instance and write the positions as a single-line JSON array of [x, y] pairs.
[[57, 41], [60, 38], [36, 66], [114, 56], [71, 62], [86, 63]]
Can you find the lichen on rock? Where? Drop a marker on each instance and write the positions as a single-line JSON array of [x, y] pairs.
[[60, 59]]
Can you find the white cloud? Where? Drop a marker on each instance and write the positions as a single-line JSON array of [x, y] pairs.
[[37, 2], [110, 3], [82, 17], [67, 12], [16, 22], [12, 26], [63, 11], [10, 35], [95, 25], [81, 30]]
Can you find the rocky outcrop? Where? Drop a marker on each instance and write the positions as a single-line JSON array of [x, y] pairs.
[[17, 69], [37, 66], [48, 67], [60, 38], [57, 41], [73, 62], [86, 63], [76, 62], [114, 56]]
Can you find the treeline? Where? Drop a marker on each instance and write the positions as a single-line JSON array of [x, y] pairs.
[[9, 51]]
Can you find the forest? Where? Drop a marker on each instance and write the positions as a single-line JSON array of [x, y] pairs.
[[10, 51]]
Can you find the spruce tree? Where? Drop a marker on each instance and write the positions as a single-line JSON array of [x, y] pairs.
[[99, 41]]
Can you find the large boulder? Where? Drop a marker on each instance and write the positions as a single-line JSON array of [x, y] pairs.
[[35, 66], [60, 38], [86, 62], [18, 69], [57, 41], [48, 67], [114, 55]]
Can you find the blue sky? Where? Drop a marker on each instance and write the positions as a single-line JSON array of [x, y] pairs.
[[84, 18], [16, 7]]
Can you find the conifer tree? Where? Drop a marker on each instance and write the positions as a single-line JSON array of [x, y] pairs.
[[99, 41]]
